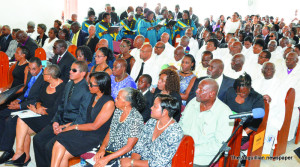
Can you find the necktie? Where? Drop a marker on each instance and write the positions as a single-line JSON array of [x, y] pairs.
[[71, 91], [59, 58], [31, 82], [141, 72]]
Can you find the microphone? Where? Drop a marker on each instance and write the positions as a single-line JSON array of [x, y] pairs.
[[255, 113]]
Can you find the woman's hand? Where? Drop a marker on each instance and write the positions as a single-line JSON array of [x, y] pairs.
[[42, 110], [32, 108], [125, 162], [101, 162], [100, 154], [68, 128]]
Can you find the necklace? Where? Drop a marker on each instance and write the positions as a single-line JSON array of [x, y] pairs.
[[54, 86], [185, 72], [97, 98], [165, 125], [23, 63]]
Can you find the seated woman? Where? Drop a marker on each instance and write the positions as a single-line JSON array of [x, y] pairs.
[[169, 84], [49, 43], [160, 137], [20, 68], [45, 106], [243, 98], [41, 29], [120, 79], [125, 128], [101, 57], [78, 139], [187, 77], [84, 53], [124, 53], [64, 34]]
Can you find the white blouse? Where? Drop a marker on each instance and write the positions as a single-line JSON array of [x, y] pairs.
[[231, 27], [48, 47]]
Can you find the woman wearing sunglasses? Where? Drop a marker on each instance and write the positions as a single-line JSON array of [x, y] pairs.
[[78, 139]]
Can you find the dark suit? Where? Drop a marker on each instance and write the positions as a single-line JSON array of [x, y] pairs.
[[123, 15], [64, 65], [223, 45], [113, 15], [43, 39], [4, 43], [92, 43], [179, 15], [149, 101], [8, 124], [196, 21], [226, 83], [31, 45], [267, 39], [81, 38], [70, 109]]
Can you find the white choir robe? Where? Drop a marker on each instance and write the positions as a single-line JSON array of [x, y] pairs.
[[246, 51], [200, 71], [292, 80], [135, 52], [170, 49], [254, 70], [277, 92], [198, 57], [194, 46], [162, 59], [275, 55], [175, 63], [233, 74]]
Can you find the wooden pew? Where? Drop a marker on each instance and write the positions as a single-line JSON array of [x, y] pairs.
[[177, 40], [282, 136], [185, 153], [147, 41], [74, 160], [235, 145], [72, 49], [4, 70], [40, 53], [116, 46], [256, 138], [298, 133]]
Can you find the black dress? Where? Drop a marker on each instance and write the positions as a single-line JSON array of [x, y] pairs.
[[49, 101], [128, 69], [78, 142], [18, 74], [254, 100]]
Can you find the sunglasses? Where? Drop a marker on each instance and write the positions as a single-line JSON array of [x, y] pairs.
[[271, 36], [74, 70], [91, 85]]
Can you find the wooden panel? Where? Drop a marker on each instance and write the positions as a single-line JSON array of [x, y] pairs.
[[177, 40], [282, 136], [74, 160], [298, 133], [40, 53], [261, 129], [185, 153], [72, 49], [4, 70]]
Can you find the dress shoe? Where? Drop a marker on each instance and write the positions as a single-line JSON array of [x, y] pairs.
[[6, 156], [19, 161]]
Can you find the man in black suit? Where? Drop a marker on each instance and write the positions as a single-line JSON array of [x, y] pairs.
[[177, 15], [124, 15], [77, 36], [4, 42], [194, 17], [247, 31], [91, 40], [227, 38], [214, 71], [63, 59], [34, 83], [71, 110], [220, 37], [24, 40], [113, 15], [144, 84]]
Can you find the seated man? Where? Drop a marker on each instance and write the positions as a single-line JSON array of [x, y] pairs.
[[201, 67], [63, 59], [34, 83], [24, 40], [205, 118], [237, 64], [71, 110], [144, 84], [77, 36]]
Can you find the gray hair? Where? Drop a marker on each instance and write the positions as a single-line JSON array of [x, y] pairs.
[[130, 14], [31, 24], [107, 5], [91, 26], [241, 56], [265, 64], [273, 41], [186, 38], [53, 70], [135, 97], [43, 27], [275, 33], [67, 25], [7, 26]]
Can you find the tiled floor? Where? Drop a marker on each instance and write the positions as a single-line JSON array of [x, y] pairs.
[[295, 162]]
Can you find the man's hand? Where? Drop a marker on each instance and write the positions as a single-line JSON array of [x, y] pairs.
[[104, 32], [17, 101]]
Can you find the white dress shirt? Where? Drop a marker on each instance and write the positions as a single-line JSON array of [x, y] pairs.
[[48, 47]]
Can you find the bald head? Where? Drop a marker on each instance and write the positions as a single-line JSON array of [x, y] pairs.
[[146, 52], [21, 36], [139, 41], [185, 40], [215, 68], [179, 53], [236, 48], [159, 48], [122, 62], [189, 32], [207, 91], [165, 37], [237, 62], [103, 43]]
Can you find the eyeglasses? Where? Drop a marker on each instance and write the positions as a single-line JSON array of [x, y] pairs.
[[122, 46], [91, 85], [54, 47], [74, 70], [158, 47], [271, 36]]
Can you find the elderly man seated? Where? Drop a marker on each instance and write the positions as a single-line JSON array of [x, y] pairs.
[[205, 118], [237, 64]]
